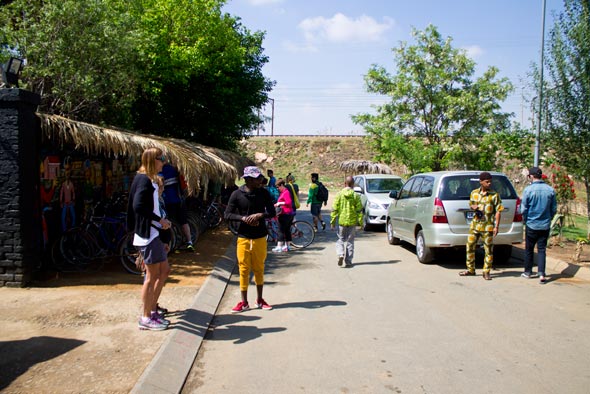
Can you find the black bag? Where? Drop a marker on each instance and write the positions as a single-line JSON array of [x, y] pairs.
[[165, 235], [323, 192]]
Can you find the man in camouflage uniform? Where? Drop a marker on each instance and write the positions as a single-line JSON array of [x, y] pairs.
[[487, 205]]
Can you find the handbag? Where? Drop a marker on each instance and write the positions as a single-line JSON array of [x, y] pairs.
[[165, 235]]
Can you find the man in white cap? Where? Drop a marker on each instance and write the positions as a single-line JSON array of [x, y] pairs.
[[250, 205], [539, 205]]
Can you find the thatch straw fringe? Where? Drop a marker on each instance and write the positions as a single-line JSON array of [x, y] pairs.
[[197, 163], [364, 167]]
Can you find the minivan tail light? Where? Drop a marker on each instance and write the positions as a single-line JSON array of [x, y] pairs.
[[517, 214], [439, 215]]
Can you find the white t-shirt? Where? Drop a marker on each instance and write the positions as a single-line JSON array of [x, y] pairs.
[[139, 241]]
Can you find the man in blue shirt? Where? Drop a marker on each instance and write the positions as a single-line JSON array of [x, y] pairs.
[[539, 205], [174, 204]]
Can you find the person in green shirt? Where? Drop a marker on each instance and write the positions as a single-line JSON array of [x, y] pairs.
[[316, 204], [348, 210]]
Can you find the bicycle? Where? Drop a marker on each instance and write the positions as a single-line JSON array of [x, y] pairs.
[[302, 232], [177, 234], [89, 245], [98, 238]]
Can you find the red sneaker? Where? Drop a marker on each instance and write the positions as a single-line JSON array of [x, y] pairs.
[[261, 304], [241, 307]]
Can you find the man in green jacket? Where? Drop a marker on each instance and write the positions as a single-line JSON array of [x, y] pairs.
[[348, 209]]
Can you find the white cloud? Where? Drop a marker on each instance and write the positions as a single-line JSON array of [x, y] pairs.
[[473, 51], [257, 3], [341, 28]]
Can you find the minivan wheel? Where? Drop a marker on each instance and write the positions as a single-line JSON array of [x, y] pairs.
[[423, 252], [390, 238]]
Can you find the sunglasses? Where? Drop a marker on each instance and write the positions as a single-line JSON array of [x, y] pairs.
[[161, 158]]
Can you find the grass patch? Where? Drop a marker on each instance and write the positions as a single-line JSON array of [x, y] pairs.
[[575, 227]]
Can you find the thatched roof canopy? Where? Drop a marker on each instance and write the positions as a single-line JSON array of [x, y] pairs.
[[197, 163], [364, 167]]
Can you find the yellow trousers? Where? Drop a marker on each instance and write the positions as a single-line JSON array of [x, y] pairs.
[[488, 246], [251, 255]]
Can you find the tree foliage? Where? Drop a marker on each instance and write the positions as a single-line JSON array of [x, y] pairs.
[[177, 68], [567, 91], [75, 57], [438, 112]]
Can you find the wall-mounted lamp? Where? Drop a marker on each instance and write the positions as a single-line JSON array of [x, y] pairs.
[[13, 70]]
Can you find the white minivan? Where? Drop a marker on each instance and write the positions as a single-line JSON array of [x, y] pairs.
[[431, 211], [374, 191]]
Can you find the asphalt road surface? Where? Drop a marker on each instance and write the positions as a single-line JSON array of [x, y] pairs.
[[392, 325]]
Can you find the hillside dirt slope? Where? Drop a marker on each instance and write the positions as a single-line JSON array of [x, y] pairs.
[[303, 155]]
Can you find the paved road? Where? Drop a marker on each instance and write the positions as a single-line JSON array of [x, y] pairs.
[[391, 324]]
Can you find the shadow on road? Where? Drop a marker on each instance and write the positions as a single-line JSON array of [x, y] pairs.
[[18, 356], [361, 263]]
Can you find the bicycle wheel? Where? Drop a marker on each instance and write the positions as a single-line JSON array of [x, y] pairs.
[[77, 248], [302, 234], [199, 218], [176, 238], [128, 254], [214, 216]]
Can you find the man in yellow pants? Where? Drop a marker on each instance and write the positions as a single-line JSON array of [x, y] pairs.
[[250, 205], [487, 205]]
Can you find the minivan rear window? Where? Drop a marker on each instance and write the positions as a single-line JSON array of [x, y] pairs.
[[459, 187]]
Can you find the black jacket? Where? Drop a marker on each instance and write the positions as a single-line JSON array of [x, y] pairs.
[[140, 208], [243, 203]]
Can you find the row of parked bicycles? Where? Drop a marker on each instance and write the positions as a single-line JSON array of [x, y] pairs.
[[103, 236]]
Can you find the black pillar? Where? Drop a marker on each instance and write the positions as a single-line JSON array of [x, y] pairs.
[[20, 225]]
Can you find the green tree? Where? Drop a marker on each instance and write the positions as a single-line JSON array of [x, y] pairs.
[[80, 56], [205, 80], [567, 98], [177, 68], [438, 112]]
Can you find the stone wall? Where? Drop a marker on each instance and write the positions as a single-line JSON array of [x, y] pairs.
[[19, 174]]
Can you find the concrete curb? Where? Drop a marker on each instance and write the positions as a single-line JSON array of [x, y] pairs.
[[558, 266], [169, 368]]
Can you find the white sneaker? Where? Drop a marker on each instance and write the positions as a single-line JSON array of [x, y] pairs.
[[277, 249]]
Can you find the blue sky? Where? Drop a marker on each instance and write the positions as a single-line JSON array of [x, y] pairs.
[[319, 50]]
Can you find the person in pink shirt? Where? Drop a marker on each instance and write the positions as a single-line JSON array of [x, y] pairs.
[[286, 215]]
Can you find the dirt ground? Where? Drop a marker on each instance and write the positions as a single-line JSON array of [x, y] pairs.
[[565, 251], [77, 333]]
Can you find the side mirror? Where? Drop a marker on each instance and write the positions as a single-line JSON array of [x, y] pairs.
[[358, 189], [393, 194]]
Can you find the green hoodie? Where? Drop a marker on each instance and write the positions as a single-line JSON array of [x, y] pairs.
[[347, 208]]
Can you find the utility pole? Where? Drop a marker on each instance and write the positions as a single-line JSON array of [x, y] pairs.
[[538, 135], [272, 118]]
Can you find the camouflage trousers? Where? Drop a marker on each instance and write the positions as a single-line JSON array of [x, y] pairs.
[[488, 245]]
